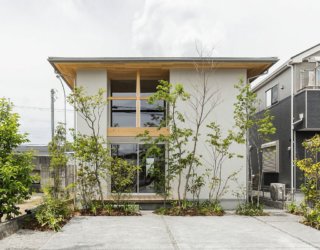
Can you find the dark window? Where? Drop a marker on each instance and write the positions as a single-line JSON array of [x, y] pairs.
[[123, 113], [152, 114], [272, 96], [123, 88], [152, 170], [148, 87], [127, 152], [150, 177]]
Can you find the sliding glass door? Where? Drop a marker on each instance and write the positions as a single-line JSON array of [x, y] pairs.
[[150, 177]]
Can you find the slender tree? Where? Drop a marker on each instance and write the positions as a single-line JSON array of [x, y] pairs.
[[58, 158], [253, 128], [91, 150]]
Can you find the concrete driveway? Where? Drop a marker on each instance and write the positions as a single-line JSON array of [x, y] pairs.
[[279, 231]]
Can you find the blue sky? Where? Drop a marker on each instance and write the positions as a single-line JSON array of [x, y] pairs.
[[32, 30]]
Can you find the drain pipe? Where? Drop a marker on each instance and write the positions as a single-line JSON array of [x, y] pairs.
[[292, 133]]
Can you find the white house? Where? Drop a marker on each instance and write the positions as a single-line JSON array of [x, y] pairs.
[[128, 83]]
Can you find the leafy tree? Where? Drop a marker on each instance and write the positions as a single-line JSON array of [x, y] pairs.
[[58, 158], [219, 148], [15, 168], [179, 135], [91, 150], [123, 175], [257, 127], [311, 170]]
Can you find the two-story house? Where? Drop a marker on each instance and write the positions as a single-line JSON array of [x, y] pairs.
[[292, 94], [128, 83]]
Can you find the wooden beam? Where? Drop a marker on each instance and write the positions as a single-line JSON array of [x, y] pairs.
[[138, 111], [133, 132]]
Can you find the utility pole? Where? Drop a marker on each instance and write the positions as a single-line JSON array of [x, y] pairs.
[[52, 113]]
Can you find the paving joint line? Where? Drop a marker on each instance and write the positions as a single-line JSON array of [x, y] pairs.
[[281, 230], [171, 237]]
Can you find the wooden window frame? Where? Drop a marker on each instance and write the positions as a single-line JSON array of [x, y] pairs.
[[134, 131]]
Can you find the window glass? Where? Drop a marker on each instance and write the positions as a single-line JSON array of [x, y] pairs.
[[318, 77], [152, 114], [148, 87], [123, 88], [152, 170], [268, 98], [275, 94], [150, 177], [127, 152], [123, 113]]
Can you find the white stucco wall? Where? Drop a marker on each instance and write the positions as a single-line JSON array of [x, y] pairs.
[[92, 81], [223, 81]]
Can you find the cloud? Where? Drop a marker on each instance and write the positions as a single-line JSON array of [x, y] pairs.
[[172, 28]]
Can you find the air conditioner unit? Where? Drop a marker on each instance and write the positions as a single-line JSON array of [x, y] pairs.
[[277, 191]]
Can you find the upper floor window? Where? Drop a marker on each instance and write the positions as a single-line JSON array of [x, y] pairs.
[[129, 103], [272, 96], [309, 79]]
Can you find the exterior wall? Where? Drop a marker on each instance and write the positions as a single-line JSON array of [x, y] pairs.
[[92, 81], [281, 112], [223, 81], [283, 80], [282, 124]]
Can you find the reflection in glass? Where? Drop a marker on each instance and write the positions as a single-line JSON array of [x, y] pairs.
[[152, 114], [127, 152], [152, 170], [123, 88], [123, 113]]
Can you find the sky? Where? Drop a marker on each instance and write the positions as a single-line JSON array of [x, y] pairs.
[[33, 30]]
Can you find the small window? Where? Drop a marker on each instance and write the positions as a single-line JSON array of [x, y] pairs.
[[270, 157], [272, 96]]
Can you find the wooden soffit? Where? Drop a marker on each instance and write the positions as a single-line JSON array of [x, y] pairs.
[[153, 69]]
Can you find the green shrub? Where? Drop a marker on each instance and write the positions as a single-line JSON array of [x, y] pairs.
[[293, 208], [191, 209], [53, 213], [250, 209]]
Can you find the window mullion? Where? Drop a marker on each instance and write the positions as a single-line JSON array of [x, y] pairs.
[[138, 100]]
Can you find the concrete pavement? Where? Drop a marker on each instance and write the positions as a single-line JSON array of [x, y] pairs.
[[278, 231]]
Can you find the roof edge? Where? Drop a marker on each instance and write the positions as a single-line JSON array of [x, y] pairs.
[[160, 59]]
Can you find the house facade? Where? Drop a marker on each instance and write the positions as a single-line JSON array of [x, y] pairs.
[[129, 82], [292, 94]]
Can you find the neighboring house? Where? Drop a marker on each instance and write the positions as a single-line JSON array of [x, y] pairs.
[[128, 83], [292, 94], [41, 161]]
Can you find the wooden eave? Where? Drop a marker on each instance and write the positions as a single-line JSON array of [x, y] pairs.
[[154, 69]]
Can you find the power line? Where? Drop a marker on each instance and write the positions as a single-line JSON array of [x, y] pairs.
[[40, 108]]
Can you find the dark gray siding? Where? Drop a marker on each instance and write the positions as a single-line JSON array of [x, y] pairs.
[[307, 102], [313, 109], [281, 113]]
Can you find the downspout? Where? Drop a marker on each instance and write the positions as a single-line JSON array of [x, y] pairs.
[[292, 133]]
